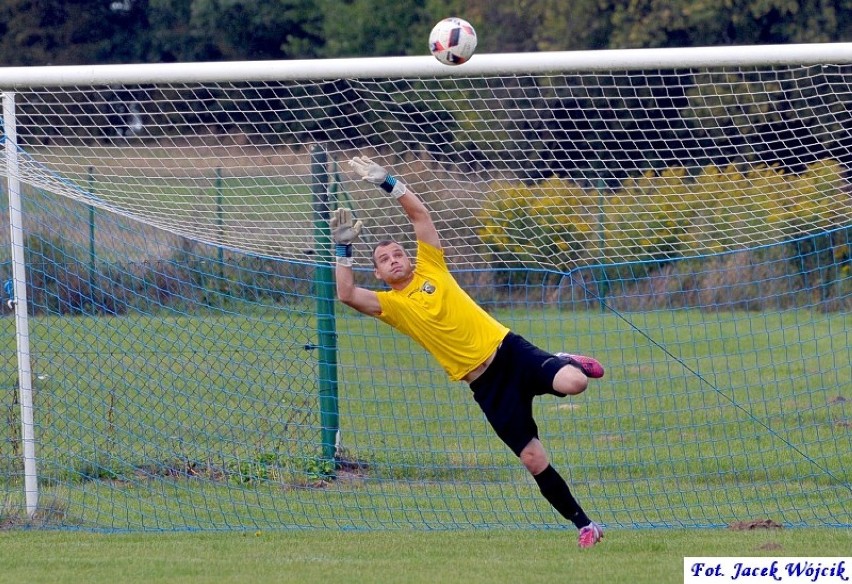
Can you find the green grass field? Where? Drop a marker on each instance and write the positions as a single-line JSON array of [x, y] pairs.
[[405, 557], [183, 447], [209, 422], [130, 413]]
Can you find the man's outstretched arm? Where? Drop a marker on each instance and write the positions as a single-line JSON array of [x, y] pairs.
[[345, 233], [418, 214]]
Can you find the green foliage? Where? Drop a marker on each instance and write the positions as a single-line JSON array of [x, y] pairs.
[[263, 467], [663, 23], [526, 25], [273, 29], [58, 32], [359, 28], [555, 218], [272, 467], [319, 469], [128, 31]]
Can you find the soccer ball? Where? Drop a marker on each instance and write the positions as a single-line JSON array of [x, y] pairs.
[[452, 41]]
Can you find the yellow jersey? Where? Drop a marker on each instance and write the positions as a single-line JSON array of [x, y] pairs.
[[440, 316]]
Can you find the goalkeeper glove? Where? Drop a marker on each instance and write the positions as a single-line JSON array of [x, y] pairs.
[[377, 175], [344, 232]]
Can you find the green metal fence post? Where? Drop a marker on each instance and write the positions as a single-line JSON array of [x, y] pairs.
[[325, 291], [92, 252], [220, 224], [603, 281]]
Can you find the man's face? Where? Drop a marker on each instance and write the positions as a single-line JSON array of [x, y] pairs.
[[392, 263]]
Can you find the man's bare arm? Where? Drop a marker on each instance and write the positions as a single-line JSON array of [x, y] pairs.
[[421, 220], [360, 299], [418, 214], [345, 231]]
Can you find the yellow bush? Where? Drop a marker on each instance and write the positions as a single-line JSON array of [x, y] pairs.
[[662, 215]]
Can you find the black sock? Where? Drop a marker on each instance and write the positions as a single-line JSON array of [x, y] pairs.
[[556, 491]]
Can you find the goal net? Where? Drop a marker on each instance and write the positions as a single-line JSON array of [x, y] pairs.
[[177, 359]]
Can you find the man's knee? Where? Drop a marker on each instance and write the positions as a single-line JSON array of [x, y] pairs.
[[534, 457], [570, 381]]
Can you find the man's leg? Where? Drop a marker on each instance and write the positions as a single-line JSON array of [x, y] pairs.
[[556, 491], [590, 366], [573, 380]]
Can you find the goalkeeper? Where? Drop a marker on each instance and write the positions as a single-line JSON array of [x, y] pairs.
[[504, 371]]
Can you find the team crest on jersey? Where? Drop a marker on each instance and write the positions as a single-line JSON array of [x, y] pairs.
[[428, 288]]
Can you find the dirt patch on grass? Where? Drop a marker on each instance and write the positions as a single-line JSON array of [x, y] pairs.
[[754, 524]]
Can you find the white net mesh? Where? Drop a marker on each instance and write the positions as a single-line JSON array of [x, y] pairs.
[[688, 225], [556, 171]]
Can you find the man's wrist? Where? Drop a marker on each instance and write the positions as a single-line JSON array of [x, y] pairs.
[[344, 261], [393, 186], [343, 250]]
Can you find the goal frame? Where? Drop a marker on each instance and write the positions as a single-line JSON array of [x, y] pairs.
[[14, 79]]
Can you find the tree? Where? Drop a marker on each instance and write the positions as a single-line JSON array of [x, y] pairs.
[[172, 37], [373, 28], [67, 32], [526, 25], [682, 23], [248, 30]]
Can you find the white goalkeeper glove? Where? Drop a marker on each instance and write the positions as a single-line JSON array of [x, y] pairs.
[[344, 232], [377, 175]]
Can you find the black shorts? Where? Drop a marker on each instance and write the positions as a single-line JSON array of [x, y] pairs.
[[519, 372]]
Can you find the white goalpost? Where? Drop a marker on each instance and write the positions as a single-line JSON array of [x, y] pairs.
[[180, 361], [20, 302]]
